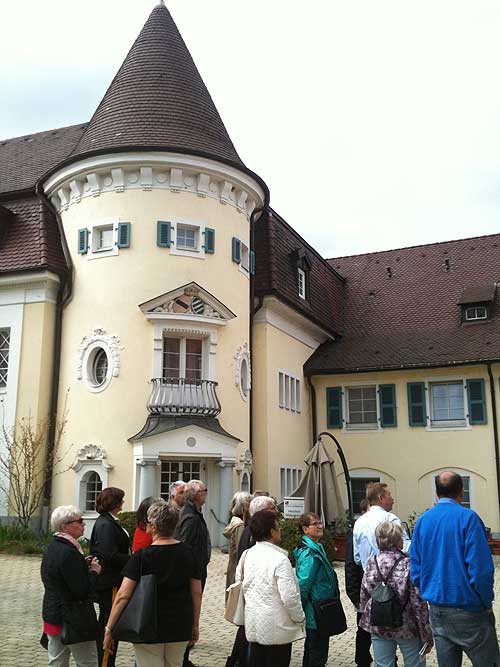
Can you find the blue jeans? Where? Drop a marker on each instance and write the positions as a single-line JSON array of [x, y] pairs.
[[457, 631], [384, 651]]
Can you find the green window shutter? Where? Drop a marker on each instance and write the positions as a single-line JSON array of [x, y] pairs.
[[164, 234], [334, 407], [209, 240], [417, 411], [83, 241], [387, 405], [251, 256], [476, 401], [123, 235], [236, 250]]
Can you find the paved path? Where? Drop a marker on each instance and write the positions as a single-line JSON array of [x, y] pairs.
[[20, 623]]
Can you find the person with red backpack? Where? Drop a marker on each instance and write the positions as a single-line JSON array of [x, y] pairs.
[[392, 610]]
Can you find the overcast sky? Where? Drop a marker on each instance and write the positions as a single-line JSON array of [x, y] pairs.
[[375, 123]]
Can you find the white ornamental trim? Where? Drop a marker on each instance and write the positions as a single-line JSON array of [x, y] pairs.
[[110, 343], [90, 455], [242, 355], [153, 171]]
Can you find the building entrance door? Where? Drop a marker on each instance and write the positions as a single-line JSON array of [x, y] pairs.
[[172, 471]]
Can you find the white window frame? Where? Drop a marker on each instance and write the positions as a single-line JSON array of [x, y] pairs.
[[90, 458], [289, 477], [463, 473], [88, 363], [289, 392], [455, 425], [6, 331], [199, 228], [94, 252], [475, 318], [301, 274], [182, 352], [360, 428]]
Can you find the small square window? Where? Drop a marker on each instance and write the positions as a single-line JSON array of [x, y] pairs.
[[103, 238], [187, 237], [245, 261], [301, 276], [475, 313], [447, 404], [362, 407]]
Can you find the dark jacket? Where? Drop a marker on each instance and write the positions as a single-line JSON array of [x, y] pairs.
[[193, 530], [245, 541], [66, 578], [111, 544], [353, 573]]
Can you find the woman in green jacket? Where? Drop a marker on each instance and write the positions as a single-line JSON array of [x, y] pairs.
[[317, 581]]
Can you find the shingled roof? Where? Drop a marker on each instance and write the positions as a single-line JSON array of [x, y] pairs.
[[401, 308], [158, 100], [279, 250]]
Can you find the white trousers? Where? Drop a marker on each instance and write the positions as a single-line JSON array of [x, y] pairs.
[[160, 655], [84, 654]]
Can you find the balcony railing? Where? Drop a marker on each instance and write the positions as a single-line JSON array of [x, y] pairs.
[[179, 396]]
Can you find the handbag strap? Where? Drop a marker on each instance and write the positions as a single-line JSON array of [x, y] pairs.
[[396, 563]]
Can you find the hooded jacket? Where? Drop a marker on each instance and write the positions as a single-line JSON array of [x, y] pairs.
[[317, 578], [232, 532]]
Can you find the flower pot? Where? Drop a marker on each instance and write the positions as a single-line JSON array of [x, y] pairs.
[[339, 541]]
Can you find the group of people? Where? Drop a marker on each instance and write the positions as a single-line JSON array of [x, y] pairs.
[[436, 590]]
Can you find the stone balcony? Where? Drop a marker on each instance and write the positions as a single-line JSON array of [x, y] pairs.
[[181, 396]]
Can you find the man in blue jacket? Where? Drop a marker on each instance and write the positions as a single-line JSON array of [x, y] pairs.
[[451, 564]]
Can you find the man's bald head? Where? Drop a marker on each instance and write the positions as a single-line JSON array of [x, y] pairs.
[[449, 485]]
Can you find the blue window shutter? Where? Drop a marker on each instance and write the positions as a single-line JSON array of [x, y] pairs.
[[83, 241], [334, 407], [387, 405], [164, 234], [476, 401], [417, 411], [209, 240], [123, 235], [236, 250], [251, 256]]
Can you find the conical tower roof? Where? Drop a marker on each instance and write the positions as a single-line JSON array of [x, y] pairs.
[[158, 101]]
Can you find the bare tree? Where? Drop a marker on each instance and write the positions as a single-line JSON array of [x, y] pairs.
[[26, 464]]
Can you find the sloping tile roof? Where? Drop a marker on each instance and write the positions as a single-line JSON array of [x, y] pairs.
[[23, 160], [31, 240], [276, 245], [401, 308], [158, 100], [156, 425]]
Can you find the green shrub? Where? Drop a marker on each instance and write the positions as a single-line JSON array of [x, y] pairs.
[[291, 536], [17, 540], [128, 521]]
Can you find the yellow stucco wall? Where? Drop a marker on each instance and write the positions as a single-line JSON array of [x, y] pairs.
[[408, 457], [281, 437], [107, 292]]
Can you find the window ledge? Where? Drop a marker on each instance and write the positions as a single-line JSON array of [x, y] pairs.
[[437, 429], [362, 429], [181, 252]]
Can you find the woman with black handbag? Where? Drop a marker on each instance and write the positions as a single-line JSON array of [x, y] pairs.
[[69, 620], [173, 592], [319, 590]]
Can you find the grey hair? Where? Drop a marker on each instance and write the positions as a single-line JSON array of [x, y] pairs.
[[261, 503], [239, 504], [163, 518], [64, 514], [173, 487], [192, 488], [389, 535]]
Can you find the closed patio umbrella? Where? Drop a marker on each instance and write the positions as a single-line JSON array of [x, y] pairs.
[[319, 486]]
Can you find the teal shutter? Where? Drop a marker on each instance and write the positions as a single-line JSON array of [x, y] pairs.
[[252, 262], [209, 240], [334, 407], [387, 405], [83, 241], [236, 250], [417, 411], [123, 235], [164, 234], [476, 401]]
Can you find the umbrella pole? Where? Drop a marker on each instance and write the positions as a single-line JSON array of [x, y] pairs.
[[346, 472]]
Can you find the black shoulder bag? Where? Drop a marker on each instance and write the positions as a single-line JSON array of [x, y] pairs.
[[387, 609], [138, 622], [79, 622]]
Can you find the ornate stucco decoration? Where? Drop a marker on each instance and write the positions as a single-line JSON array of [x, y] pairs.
[[244, 468], [99, 337], [242, 370], [91, 455]]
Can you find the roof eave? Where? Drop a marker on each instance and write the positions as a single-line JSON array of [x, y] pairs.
[[400, 367]]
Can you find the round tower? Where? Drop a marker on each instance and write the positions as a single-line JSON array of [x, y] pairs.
[[155, 206]]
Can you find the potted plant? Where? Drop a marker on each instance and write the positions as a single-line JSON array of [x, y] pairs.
[[340, 528]]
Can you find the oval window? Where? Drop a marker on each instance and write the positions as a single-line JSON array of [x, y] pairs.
[[244, 377], [99, 367]]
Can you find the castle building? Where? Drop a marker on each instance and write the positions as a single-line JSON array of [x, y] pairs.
[[179, 327]]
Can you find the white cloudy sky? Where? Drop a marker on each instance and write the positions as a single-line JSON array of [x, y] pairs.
[[375, 123]]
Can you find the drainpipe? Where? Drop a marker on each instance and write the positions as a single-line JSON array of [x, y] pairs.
[[495, 429], [314, 417], [63, 297]]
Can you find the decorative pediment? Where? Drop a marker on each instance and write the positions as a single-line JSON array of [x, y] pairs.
[[190, 302], [91, 455]]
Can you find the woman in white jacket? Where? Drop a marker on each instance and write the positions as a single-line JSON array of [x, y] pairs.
[[274, 617]]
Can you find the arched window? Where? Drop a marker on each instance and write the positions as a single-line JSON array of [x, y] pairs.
[[92, 487]]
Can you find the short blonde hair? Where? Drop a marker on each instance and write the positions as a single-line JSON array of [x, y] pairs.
[[192, 488], [240, 503], [163, 518], [389, 536]]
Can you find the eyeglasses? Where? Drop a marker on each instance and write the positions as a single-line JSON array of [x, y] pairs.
[[75, 521], [316, 523], [205, 490]]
